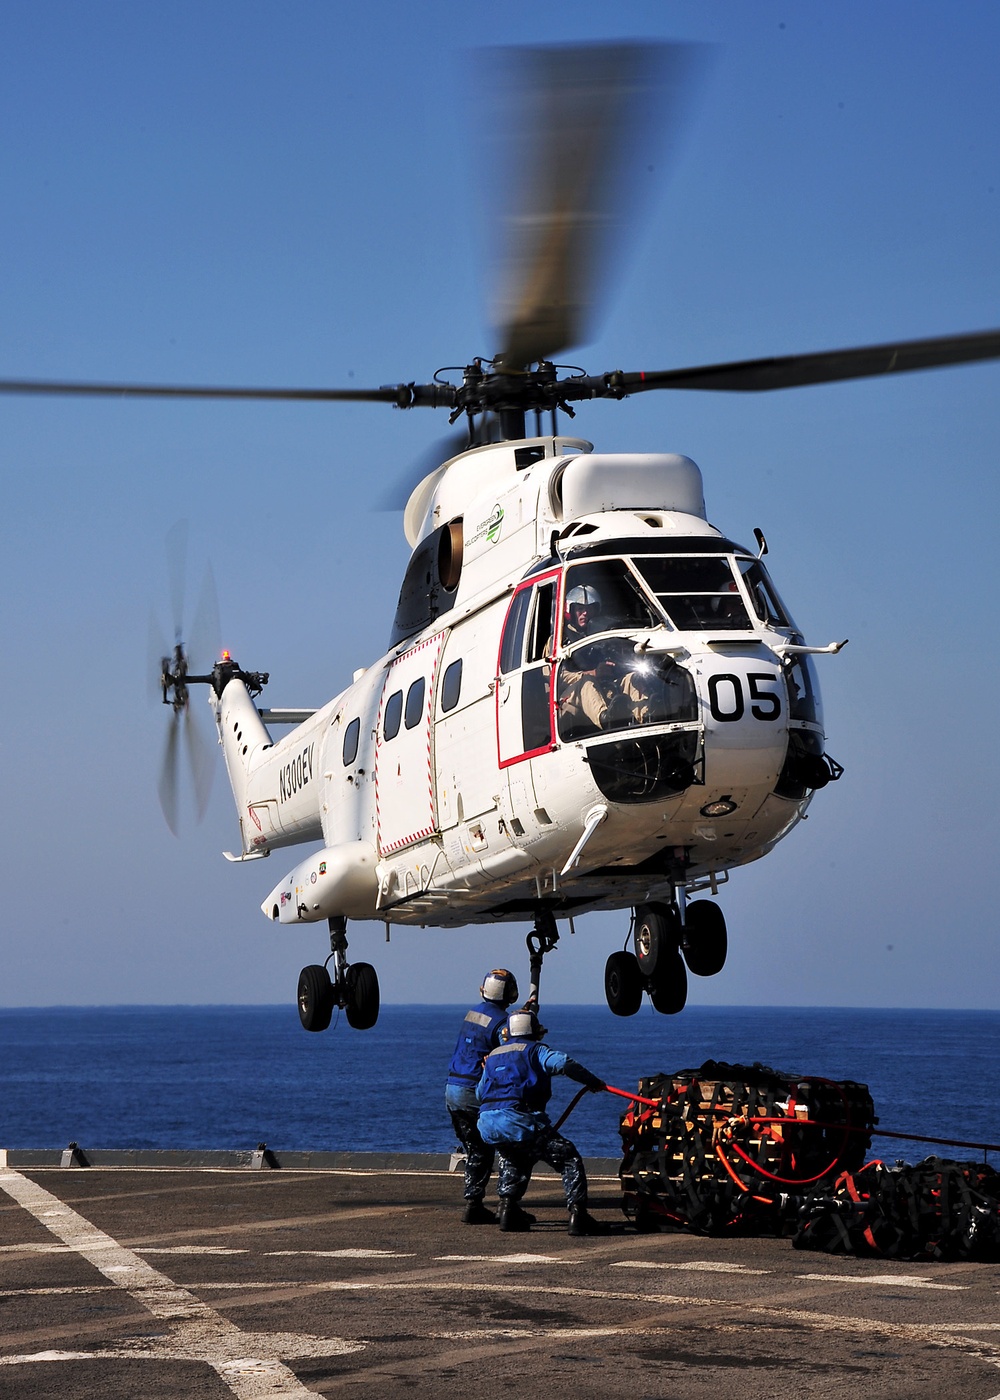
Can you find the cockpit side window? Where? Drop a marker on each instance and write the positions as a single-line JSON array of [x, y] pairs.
[[612, 597], [512, 646], [698, 595], [542, 623], [803, 691], [766, 603]]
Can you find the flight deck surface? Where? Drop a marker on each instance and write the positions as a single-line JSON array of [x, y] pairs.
[[361, 1280]]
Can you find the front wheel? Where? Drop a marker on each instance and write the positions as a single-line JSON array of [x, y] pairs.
[[315, 998], [362, 996], [623, 984]]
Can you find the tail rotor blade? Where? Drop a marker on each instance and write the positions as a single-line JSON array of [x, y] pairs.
[[168, 783], [201, 760], [156, 650], [206, 629], [177, 546]]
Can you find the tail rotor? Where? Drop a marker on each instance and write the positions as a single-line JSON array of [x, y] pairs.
[[188, 749]]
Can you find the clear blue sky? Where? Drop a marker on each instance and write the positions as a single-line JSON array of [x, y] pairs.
[[263, 193]]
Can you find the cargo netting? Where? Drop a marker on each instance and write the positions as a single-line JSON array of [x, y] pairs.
[[744, 1149]]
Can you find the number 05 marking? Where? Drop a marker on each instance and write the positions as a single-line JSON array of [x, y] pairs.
[[730, 705]]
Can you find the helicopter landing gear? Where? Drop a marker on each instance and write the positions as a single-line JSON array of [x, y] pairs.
[[541, 940], [353, 987], [705, 941]]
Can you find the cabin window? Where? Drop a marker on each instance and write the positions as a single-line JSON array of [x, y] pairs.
[[512, 647], [451, 686], [698, 595], [393, 714], [352, 734], [414, 704]]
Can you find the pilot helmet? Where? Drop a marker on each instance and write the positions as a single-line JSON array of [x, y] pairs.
[[523, 1024], [584, 595], [499, 985]]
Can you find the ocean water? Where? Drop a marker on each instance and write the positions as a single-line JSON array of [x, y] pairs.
[[230, 1077]]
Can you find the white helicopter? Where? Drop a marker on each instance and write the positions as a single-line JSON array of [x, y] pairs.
[[591, 697]]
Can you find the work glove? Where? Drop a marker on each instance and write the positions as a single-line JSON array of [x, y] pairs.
[[595, 1085]]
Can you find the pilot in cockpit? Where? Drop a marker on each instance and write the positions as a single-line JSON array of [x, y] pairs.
[[593, 687]]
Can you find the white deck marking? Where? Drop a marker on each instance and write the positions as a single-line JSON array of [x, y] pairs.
[[46, 1356], [515, 1334], [337, 1254], [502, 1259], [189, 1249], [250, 1363], [970, 1327], [901, 1281], [707, 1266]]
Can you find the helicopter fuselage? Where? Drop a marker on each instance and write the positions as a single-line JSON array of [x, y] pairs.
[[500, 758]]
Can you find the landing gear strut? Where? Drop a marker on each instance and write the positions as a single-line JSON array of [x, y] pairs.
[[541, 940], [353, 987]]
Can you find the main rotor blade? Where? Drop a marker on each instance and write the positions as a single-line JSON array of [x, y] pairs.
[[401, 395], [821, 367], [577, 124], [397, 492]]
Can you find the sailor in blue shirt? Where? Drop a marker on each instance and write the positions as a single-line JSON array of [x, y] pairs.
[[479, 1034], [513, 1091]]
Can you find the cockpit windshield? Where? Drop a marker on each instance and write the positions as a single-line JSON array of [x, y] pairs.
[[604, 596], [698, 595]]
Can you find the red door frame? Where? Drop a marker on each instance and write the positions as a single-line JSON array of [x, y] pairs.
[[557, 575]]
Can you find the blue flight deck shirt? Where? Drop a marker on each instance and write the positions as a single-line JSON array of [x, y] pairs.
[[479, 1034], [515, 1087]]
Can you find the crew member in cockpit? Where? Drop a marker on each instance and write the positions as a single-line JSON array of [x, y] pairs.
[[579, 693], [592, 688]]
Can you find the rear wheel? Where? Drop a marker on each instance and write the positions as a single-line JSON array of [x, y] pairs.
[[705, 940], [362, 996], [315, 998], [669, 987], [623, 984]]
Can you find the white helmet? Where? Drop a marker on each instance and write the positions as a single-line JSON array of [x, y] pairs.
[[584, 595], [499, 985], [524, 1025]]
